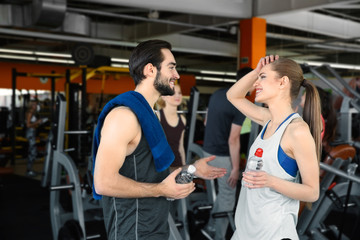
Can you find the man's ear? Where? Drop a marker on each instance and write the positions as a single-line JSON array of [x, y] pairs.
[[149, 70], [284, 81]]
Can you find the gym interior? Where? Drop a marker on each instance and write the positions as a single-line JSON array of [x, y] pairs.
[[71, 56]]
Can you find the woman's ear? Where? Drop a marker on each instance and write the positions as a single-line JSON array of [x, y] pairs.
[[284, 81]]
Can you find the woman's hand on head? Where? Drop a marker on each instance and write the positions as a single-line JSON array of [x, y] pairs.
[[265, 61]]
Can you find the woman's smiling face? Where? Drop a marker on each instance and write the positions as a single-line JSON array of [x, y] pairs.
[[267, 84]]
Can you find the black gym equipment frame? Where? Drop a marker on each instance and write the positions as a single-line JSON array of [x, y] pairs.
[[53, 76]]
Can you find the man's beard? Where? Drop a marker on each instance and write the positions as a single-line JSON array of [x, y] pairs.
[[163, 88]]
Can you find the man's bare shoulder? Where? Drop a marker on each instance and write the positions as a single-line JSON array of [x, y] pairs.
[[122, 112], [121, 117], [121, 127]]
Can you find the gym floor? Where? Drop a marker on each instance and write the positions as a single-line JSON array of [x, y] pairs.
[[24, 205]]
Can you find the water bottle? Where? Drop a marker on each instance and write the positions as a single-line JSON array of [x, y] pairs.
[[254, 163], [185, 176]]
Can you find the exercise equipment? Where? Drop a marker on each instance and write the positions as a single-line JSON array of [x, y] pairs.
[[200, 203], [14, 111], [349, 106], [84, 214], [337, 194], [321, 223], [191, 148]]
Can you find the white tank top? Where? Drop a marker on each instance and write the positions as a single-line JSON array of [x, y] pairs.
[[264, 213]]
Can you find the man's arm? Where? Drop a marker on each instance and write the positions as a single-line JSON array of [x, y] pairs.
[[234, 148], [120, 136]]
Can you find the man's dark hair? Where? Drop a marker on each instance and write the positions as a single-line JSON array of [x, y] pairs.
[[144, 53], [242, 72]]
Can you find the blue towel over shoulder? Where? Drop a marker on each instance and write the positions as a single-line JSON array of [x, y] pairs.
[[150, 125]]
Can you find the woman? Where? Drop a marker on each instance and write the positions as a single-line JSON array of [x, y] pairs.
[[269, 201], [173, 125], [32, 122], [174, 128]]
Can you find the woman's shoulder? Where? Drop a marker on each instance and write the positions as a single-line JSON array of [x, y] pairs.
[[298, 128], [183, 119], [296, 134]]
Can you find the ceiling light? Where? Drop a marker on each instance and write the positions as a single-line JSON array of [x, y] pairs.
[[337, 48], [218, 73], [53, 54], [214, 79], [18, 57], [119, 60], [120, 65], [16, 51], [56, 60], [333, 65]]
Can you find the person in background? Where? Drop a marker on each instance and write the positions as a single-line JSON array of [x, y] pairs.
[[173, 124], [269, 198], [131, 156], [32, 122], [222, 139]]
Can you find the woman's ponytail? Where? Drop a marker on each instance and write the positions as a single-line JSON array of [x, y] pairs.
[[312, 113]]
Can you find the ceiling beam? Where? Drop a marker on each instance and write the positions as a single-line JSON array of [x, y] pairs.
[[239, 9], [181, 43], [316, 23], [195, 45], [146, 29], [275, 7]]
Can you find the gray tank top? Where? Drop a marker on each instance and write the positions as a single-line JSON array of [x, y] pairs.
[[264, 213], [138, 218]]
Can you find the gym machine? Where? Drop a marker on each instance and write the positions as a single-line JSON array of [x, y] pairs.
[[14, 111], [338, 201], [191, 148], [84, 219], [339, 189], [199, 202], [346, 112], [86, 215], [179, 228]]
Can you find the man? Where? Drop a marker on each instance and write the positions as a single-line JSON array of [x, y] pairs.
[[132, 155], [222, 138]]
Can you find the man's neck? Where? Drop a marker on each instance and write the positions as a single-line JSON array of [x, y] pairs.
[[149, 93]]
